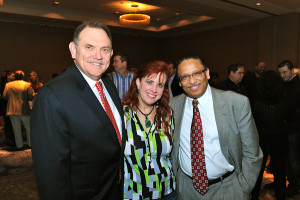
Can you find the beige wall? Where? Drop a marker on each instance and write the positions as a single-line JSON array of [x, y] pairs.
[[28, 47], [279, 39], [218, 48], [44, 48]]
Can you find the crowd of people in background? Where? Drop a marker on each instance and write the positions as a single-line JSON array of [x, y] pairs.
[[168, 130], [17, 97]]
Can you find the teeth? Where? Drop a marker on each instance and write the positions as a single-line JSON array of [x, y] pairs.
[[151, 95], [95, 63], [194, 87]]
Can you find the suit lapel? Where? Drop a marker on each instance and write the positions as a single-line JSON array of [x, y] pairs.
[[179, 111], [221, 120], [91, 100]]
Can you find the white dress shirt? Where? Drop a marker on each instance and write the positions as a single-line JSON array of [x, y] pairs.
[[114, 109], [216, 163]]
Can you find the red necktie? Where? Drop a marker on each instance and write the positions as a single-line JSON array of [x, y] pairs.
[[200, 180], [108, 110]]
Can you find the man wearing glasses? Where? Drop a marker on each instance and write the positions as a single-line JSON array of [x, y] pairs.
[[219, 156]]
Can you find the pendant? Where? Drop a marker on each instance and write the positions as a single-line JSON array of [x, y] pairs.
[[147, 123]]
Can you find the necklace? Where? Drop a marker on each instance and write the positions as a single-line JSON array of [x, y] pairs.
[[147, 121]]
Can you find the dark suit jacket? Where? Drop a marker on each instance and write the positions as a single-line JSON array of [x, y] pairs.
[[227, 84], [75, 149], [175, 87]]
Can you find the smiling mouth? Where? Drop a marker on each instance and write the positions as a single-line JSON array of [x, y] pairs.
[[193, 87], [151, 95], [97, 63]]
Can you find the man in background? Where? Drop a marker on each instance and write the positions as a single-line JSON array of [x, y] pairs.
[[121, 77], [235, 74], [18, 93], [8, 130], [251, 79], [174, 87], [292, 93]]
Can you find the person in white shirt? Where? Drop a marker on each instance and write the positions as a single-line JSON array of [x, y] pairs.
[[232, 156]]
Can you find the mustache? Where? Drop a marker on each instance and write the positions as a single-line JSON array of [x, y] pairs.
[[193, 85], [101, 62]]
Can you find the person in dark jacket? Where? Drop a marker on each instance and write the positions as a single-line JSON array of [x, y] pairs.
[[8, 130], [292, 92], [270, 113], [235, 74]]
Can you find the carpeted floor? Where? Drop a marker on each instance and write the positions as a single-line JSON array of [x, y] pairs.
[[15, 162], [19, 187], [17, 181]]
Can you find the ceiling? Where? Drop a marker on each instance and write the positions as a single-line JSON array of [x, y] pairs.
[[171, 16]]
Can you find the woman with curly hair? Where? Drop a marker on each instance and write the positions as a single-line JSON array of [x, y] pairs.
[[149, 123]]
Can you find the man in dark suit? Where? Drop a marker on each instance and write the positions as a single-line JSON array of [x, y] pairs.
[[235, 74], [219, 156], [292, 94], [77, 152], [174, 88]]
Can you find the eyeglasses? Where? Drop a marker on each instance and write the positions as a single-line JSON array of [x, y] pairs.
[[196, 75]]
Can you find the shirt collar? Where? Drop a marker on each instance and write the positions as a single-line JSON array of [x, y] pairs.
[[128, 73], [91, 82], [204, 99]]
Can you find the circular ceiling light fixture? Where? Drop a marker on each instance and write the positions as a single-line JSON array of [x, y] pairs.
[[135, 19]]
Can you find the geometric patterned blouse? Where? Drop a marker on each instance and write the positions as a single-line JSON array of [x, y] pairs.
[[147, 166]]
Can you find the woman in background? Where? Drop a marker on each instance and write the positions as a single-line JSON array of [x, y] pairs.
[[149, 123], [34, 80], [35, 84]]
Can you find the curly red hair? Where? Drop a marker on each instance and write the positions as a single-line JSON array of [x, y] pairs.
[[163, 111]]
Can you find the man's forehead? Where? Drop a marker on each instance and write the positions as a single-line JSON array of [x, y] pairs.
[[117, 57], [241, 69], [193, 62], [284, 68]]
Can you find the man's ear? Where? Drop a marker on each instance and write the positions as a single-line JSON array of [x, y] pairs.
[[207, 74], [72, 48]]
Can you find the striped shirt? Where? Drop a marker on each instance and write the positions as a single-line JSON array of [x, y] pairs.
[[122, 83], [147, 165]]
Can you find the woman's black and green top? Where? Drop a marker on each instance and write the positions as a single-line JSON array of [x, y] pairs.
[[147, 168]]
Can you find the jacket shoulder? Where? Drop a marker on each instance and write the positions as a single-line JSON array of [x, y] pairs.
[[229, 97], [176, 100]]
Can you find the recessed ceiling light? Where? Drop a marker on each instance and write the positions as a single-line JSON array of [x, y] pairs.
[[258, 3], [55, 3]]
